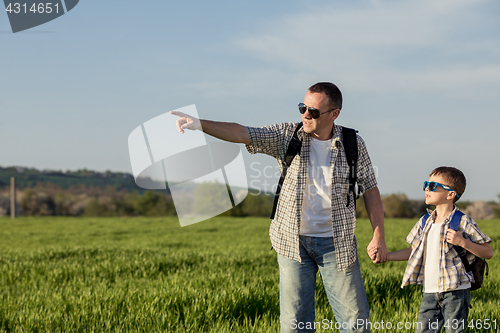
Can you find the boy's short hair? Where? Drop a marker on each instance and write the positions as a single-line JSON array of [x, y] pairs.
[[454, 178]]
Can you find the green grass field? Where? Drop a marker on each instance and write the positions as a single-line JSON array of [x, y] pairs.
[[151, 275]]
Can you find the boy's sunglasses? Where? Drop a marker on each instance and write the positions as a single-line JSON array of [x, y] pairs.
[[315, 113], [433, 186]]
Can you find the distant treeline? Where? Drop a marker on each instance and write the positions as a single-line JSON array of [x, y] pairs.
[[93, 201], [89, 193]]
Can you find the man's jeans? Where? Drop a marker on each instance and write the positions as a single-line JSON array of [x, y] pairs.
[[345, 289], [449, 308]]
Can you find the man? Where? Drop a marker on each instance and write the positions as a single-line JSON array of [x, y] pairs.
[[315, 219]]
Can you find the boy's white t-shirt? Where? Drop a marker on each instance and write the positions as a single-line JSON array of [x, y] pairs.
[[317, 204], [431, 260]]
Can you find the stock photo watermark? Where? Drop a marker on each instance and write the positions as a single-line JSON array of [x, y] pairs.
[[205, 179], [454, 324], [26, 14], [327, 324], [262, 179]]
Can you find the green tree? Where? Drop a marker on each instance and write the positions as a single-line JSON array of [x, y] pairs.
[[496, 209], [39, 204], [97, 208], [154, 204], [360, 208], [256, 204], [125, 205], [397, 206]]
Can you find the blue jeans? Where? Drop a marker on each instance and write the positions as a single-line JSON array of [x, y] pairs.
[[449, 308], [345, 289]]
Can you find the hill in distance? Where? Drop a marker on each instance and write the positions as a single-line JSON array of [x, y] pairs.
[[30, 178]]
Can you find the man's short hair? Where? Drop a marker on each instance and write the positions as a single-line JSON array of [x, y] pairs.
[[330, 90], [454, 178]]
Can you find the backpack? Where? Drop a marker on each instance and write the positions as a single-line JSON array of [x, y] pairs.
[[479, 266], [351, 152]]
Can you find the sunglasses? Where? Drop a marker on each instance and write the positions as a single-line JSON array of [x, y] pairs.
[[433, 186], [315, 113]]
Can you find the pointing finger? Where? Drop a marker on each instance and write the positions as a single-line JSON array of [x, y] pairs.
[[179, 114]]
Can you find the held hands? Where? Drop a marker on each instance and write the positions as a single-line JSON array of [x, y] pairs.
[[377, 251], [186, 122], [372, 253]]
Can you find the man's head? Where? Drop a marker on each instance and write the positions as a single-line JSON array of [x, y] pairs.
[[325, 100], [453, 178], [331, 91]]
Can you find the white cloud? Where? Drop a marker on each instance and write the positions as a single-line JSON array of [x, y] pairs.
[[387, 46]]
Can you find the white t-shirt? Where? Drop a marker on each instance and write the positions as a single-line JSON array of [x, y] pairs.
[[317, 205], [431, 260]]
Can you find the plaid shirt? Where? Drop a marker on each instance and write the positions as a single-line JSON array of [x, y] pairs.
[[452, 272], [284, 231]]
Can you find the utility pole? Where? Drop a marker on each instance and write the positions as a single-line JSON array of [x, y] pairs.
[[12, 197]]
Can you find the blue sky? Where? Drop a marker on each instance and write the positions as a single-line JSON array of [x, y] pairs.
[[420, 79]]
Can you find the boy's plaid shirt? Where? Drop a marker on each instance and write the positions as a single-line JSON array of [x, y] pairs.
[[284, 230], [452, 272]]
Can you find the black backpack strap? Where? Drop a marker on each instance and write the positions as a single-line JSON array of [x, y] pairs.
[[293, 149], [350, 142]]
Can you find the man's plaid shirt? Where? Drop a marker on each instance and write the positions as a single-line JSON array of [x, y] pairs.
[[452, 272], [284, 231]]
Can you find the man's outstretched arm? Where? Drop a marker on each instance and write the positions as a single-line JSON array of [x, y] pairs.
[[231, 132]]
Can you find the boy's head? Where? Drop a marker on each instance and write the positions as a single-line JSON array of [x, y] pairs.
[[454, 178]]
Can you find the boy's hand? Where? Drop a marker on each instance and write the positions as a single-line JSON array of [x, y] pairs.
[[186, 122], [372, 253], [455, 238]]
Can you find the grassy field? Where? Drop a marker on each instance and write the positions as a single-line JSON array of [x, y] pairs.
[[151, 275]]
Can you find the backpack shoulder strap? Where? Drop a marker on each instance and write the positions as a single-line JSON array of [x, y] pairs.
[[455, 220], [424, 219], [293, 149], [350, 142], [294, 146], [454, 224]]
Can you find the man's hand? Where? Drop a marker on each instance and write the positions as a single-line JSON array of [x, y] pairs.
[[377, 250], [186, 122]]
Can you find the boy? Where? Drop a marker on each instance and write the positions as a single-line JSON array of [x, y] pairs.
[[433, 260]]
